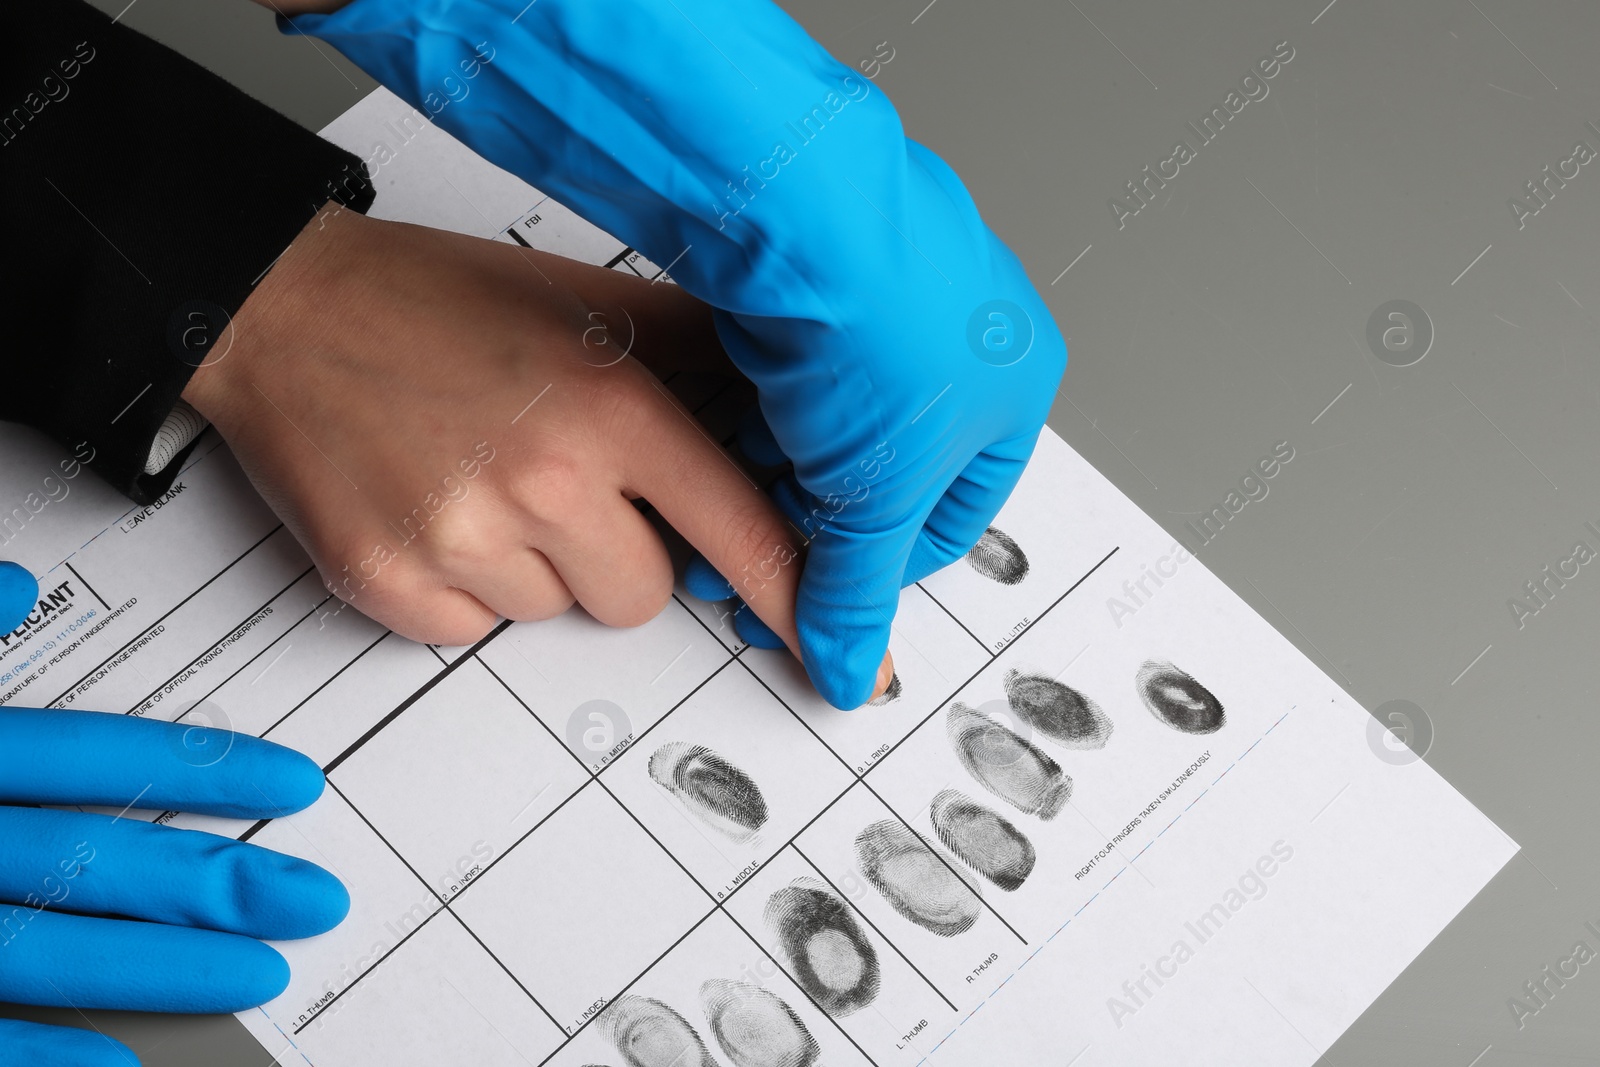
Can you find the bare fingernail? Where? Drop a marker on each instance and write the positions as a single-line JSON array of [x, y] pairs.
[[885, 676]]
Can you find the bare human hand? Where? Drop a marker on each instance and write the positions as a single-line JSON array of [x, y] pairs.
[[445, 425]]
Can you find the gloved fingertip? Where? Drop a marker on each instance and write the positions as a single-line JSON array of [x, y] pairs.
[[704, 581], [263, 976], [296, 899], [756, 440], [18, 594], [287, 781], [755, 632], [844, 692], [845, 657]]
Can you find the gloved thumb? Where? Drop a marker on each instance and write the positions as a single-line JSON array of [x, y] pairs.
[[845, 609]]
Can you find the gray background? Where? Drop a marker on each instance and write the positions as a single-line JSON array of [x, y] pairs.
[[1227, 316]]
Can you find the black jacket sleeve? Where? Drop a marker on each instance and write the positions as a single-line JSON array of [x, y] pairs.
[[143, 197]]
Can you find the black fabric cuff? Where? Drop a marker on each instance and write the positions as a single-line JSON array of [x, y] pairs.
[[145, 197]]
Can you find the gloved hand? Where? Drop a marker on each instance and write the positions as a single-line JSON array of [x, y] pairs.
[[904, 362], [19, 591], [205, 899]]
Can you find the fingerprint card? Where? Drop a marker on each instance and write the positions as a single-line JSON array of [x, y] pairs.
[[1107, 815]]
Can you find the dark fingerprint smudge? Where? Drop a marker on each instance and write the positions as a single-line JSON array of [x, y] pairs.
[[918, 882], [890, 694], [1009, 766], [1057, 711], [984, 840], [830, 956], [755, 1027], [648, 1033], [1178, 700], [723, 796], [998, 557]]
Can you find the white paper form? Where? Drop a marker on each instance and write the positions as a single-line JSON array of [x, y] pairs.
[[572, 845]]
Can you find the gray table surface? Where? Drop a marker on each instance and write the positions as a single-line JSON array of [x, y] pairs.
[[1231, 313]]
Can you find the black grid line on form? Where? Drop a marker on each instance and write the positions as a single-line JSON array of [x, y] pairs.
[[85, 583], [791, 843], [247, 663], [992, 657], [874, 926], [330, 679], [421, 691], [291, 628], [209, 693], [443, 902], [992, 653], [593, 776], [168, 614], [717, 906], [226, 634], [936, 854], [444, 906], [860, 777], [785, 971]]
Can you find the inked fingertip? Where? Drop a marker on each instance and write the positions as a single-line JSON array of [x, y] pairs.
[[998, 557], [890, 694]]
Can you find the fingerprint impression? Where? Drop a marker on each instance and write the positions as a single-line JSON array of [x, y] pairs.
[[1057, 711], [996, 556], [891, 692], [829, 954], [916, 879], [1009, 766], [718, 793], [1178, 700], [983, 839], [755, 1027], [648, 1033]]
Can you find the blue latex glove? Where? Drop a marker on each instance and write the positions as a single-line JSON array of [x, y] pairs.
[[904, 362], [204, 899], [19, 592], [704, 581]]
